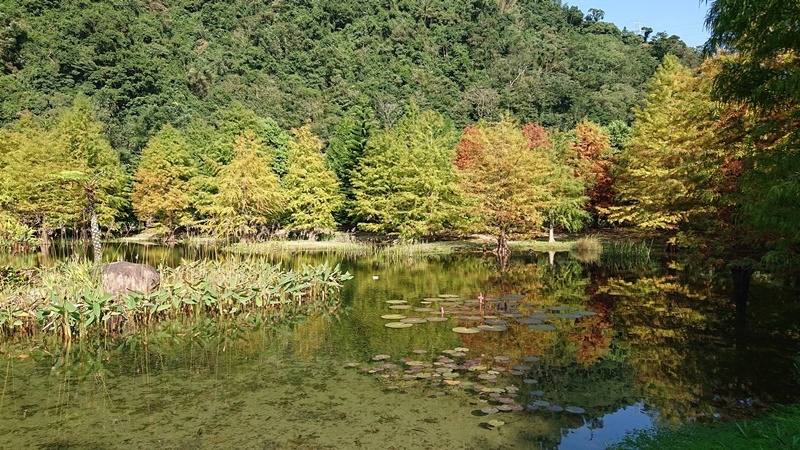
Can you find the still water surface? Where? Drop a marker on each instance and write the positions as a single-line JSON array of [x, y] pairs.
[[631, 350]]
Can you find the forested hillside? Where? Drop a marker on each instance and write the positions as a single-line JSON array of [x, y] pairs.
[[146, 64]]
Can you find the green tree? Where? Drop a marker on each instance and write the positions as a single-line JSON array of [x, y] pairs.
[[764, 35], [161, 186], [511, 182], [92, 164], [347, 145], [250, 196], [310, 186], [567, 209], [763, 73], [405, 183], [28, 188]]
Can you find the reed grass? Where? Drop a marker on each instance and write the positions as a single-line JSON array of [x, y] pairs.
[[625, 255]]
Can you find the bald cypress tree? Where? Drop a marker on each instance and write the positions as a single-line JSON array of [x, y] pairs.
[[669, 174], [311, 187], [161, 182]]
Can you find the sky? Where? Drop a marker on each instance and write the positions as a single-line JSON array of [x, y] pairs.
[[684, 18]]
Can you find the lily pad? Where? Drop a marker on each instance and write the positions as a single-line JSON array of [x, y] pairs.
[[537, 393], [541, 403], [437, 319], [461, 349], [530, 358], [555, 408], [542, 327], [398, 325], [393, 316], [575, 409], [496, 322], [522, 368], [529, 381], [400, 307], [493, 327], [448, 296], [496, 423], [380, 357], [465, 330], [529, 321], [487, 376], [558, 308], [396, 302], [413, 320], [488, 410], [424, 309], [568, 316]]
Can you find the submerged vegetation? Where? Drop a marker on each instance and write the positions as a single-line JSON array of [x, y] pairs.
[[67, 300]]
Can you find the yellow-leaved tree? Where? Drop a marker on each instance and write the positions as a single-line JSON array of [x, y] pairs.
[[161, 183], [249, 196], [311, 187]]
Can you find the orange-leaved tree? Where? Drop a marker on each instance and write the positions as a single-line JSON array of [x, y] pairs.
[[510, 182]]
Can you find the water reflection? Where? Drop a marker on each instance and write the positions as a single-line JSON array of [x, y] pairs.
[[658, 348]]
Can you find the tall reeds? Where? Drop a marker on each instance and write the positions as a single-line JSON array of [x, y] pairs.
[[625, 255]]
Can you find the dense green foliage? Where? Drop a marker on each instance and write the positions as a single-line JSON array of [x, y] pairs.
[[405, 182], [146, 64]]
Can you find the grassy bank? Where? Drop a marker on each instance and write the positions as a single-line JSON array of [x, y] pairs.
[[366, 248], [779, 430]]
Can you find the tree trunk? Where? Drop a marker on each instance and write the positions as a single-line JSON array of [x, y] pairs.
[[502, 245], [552, 237], [94, 228], [44, 238]]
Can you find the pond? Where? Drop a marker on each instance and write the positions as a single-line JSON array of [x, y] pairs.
[[561, 356]]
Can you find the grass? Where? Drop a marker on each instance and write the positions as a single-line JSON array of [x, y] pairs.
[[588, 249], [779, 430], [624, 255], [364, 248]]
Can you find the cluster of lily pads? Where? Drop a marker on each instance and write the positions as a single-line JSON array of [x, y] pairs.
[[489, 314], [499, 382]]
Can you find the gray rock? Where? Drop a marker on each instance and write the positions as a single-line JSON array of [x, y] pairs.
[[123, 277]]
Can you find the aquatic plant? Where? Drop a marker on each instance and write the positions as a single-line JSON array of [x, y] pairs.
[[67, 301], [16, 236], [587, 249], [625, 255]]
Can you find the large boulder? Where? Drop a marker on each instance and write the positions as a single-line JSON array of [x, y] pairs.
[[124, 277]]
